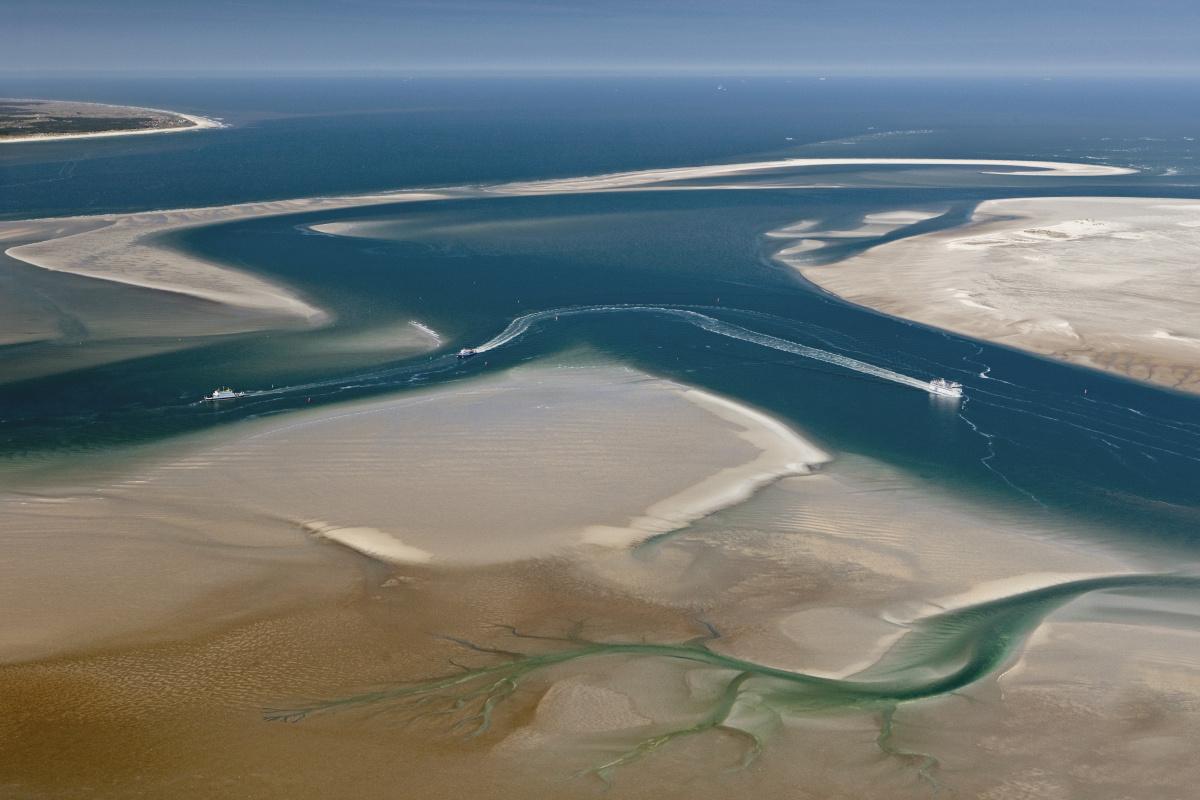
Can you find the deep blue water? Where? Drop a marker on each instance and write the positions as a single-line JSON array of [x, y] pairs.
[[1123, 455]]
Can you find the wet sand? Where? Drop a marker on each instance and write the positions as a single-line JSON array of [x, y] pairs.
[[805, 236], [127, 249], [107, 288], [166, 599], [535, 463], [1107, 283]]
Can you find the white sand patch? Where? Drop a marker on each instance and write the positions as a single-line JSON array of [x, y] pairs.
[[1089, 280], [513, 467], [902, 217], [782, 453], [808, 237], [649, 177], [793, 230], [370, 542]]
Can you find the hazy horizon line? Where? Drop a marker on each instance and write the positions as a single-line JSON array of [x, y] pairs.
[[646, 71]]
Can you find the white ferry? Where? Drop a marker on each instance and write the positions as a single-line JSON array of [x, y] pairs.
[[944, 388], [467, 352], [223, 393]]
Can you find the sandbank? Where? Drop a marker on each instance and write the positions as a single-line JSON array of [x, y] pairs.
[[805, 237], [518, 466], [124, 293], [419, 529], [1108, 283], [128, 248], [673, 175], [125, 248]]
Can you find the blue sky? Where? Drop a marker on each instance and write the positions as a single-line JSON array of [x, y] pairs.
[[846, 37]]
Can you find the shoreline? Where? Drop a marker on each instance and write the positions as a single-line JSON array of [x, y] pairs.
[[197, 123], [1099, 282], [782, 453], [123, 247], [246, 504]]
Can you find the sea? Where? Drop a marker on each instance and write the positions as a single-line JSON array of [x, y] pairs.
[[680, 284]]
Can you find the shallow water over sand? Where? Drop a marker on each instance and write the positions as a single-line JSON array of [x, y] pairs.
[[684, 525]]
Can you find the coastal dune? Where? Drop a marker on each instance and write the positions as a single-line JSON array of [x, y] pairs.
[[1103, 282]]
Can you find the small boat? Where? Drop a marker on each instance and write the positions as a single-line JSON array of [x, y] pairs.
[[944, 388], [223, 393], [467, 352]]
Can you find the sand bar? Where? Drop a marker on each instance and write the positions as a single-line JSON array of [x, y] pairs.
[[804, 236], [652, 177], [124, 248], [817, 572], [128, 250], [517, 466], [1109, 283]]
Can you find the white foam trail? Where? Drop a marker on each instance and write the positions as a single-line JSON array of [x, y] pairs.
[[520, 325], [426, 330]]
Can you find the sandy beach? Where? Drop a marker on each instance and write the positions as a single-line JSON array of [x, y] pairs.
[[67, 109], [805, 236], [1108, 283]]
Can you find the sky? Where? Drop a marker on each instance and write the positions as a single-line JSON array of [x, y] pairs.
[[803, 37]]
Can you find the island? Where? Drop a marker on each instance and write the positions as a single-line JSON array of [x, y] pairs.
[[27, 120]]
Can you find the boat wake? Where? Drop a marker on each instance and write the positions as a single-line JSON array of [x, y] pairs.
[[521, 325]]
